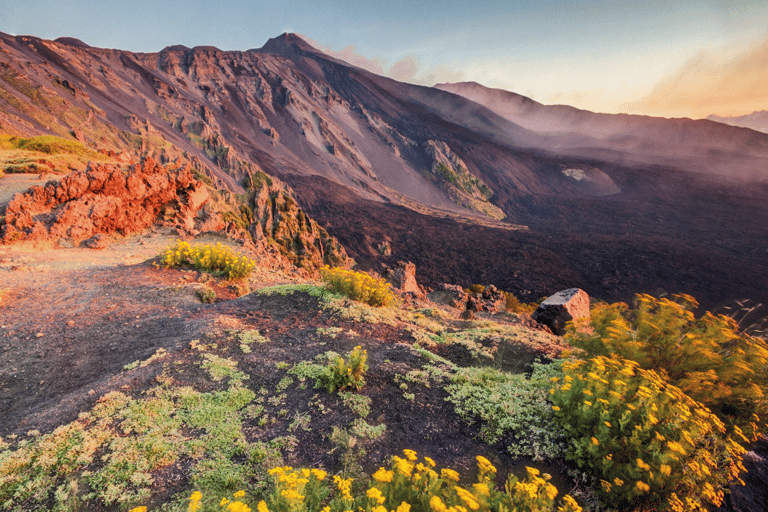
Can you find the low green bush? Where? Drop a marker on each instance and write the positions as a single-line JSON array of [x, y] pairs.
[[359, 286], [706, 357], [647, 445], [341, 374], [510, 407]]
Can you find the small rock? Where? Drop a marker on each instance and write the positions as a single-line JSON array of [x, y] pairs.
[[98, 241], [39, 335], [71, 323]]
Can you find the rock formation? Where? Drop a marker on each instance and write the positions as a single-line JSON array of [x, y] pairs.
[[275, 219], [403, 279], [106, 199], [564, 306]]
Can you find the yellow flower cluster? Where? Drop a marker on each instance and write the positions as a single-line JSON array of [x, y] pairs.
[[643, 430], [359, 286], [410, 484], [210, 258]]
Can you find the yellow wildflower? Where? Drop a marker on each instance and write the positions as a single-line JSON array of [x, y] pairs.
[[437, 505], [595, 441], [467, 497], [618, 482], [430, 463], [555, 408], [642, 486], [375, 494], [223, 502], [485, 465], [404, 507], [262, 507], [450, 474], [409, 454], [383, 476], [194, 501], [239, 494], [139, 509]]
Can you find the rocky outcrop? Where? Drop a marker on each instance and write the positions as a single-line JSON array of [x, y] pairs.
[[451, 295], [463, 187], [491, 300], [105, 199], [275, 220], [403, 279], [564, 306]]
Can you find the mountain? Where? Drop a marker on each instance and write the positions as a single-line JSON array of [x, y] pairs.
[[531, 198], [700, 146], [757, 121]]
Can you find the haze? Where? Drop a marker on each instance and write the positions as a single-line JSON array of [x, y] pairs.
[[684, 59]]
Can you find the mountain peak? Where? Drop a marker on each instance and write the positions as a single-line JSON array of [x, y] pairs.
[[287, 44]]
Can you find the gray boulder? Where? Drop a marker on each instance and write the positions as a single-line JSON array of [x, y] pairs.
[[564, 306]]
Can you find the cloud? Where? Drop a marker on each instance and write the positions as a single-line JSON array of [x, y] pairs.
[[406, 69], [736, 84]]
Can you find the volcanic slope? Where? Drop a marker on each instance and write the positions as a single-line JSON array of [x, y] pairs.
[[423, 169]]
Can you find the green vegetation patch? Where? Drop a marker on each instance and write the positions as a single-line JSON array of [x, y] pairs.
[[512, 408]]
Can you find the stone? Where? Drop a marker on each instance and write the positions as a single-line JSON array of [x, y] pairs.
[[97, 241], [104, 199], [564, 306], [403, 279], [451, 295]]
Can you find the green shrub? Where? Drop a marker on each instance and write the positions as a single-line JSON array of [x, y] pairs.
[[515, 306], [359, 286], [511, 407], [217, 259], [706, 357], [206, 294], [341, 374], [647, 445], [52, 145]]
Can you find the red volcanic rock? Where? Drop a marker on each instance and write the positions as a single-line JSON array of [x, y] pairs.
[[403, 279], [106, 199], [564, 306]]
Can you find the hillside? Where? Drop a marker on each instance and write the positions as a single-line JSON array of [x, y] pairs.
[[756, 120], [171, 339], [645, 218]]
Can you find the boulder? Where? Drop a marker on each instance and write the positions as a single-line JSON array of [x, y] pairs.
[[564, 306], [491, 300], [451, 295]]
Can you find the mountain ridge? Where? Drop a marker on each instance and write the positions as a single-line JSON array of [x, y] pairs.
[[368, 143]]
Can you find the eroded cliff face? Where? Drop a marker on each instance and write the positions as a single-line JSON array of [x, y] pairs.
[[276, 220], [108, 199]]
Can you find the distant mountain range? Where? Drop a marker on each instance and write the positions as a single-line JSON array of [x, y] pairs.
[[472, 184], [756, 120]]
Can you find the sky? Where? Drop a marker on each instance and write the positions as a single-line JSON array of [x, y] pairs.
[[682, 58]]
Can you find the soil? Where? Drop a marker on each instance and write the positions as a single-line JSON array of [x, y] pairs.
[[73, 318]]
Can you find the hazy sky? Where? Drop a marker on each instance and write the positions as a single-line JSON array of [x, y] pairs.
[[673, 57]]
